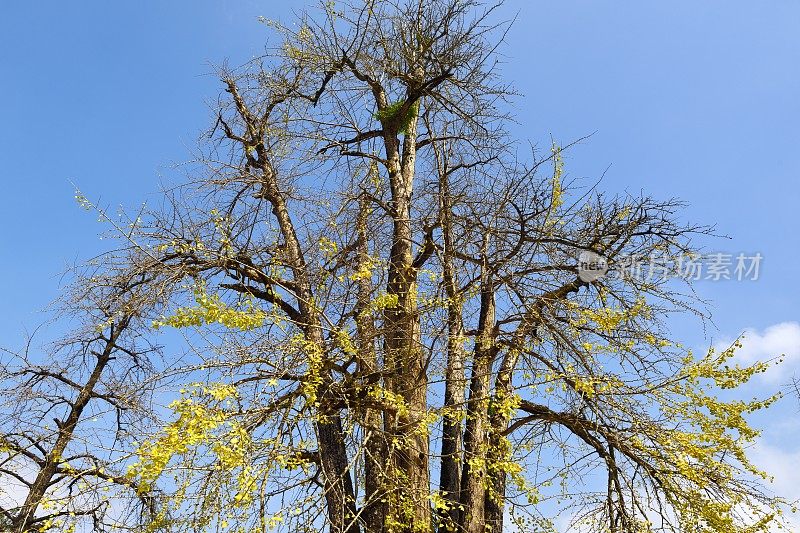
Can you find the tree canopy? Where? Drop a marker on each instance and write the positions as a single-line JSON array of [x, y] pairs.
[[384, 323]]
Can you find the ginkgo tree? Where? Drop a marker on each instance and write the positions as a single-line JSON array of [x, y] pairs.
[[388, 328], [71, 409]]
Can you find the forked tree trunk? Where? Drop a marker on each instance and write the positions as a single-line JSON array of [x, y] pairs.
[[405, 360], [25, 520]]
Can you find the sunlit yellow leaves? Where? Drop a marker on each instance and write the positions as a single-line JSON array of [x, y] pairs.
[[707, 445], [365, 270], [313, 377], [200, 421], [608, 319], [328, 247], [211, 309], [82, 201], [384, 301]]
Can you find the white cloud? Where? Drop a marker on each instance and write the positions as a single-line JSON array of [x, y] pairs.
[[782, 465], [779, 454], [779, 340]]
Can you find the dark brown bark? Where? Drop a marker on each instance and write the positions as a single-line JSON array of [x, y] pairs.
[[498, 422], [404, 357], [375, 446], [473, 480], [338, 484], [452, 427]]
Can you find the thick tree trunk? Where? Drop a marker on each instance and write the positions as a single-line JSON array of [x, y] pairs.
[[499, 420], [452, 427], [473, 488], [338, 486], [404, 358]]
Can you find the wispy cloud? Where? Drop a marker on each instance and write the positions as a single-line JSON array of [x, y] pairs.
[[778, 452], [778, 340]]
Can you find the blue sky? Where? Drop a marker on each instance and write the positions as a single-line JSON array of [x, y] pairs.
[[697, 100]]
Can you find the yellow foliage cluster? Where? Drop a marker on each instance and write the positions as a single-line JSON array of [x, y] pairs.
[[211, 309], [713, 433], [608, 319], [197, 424]]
